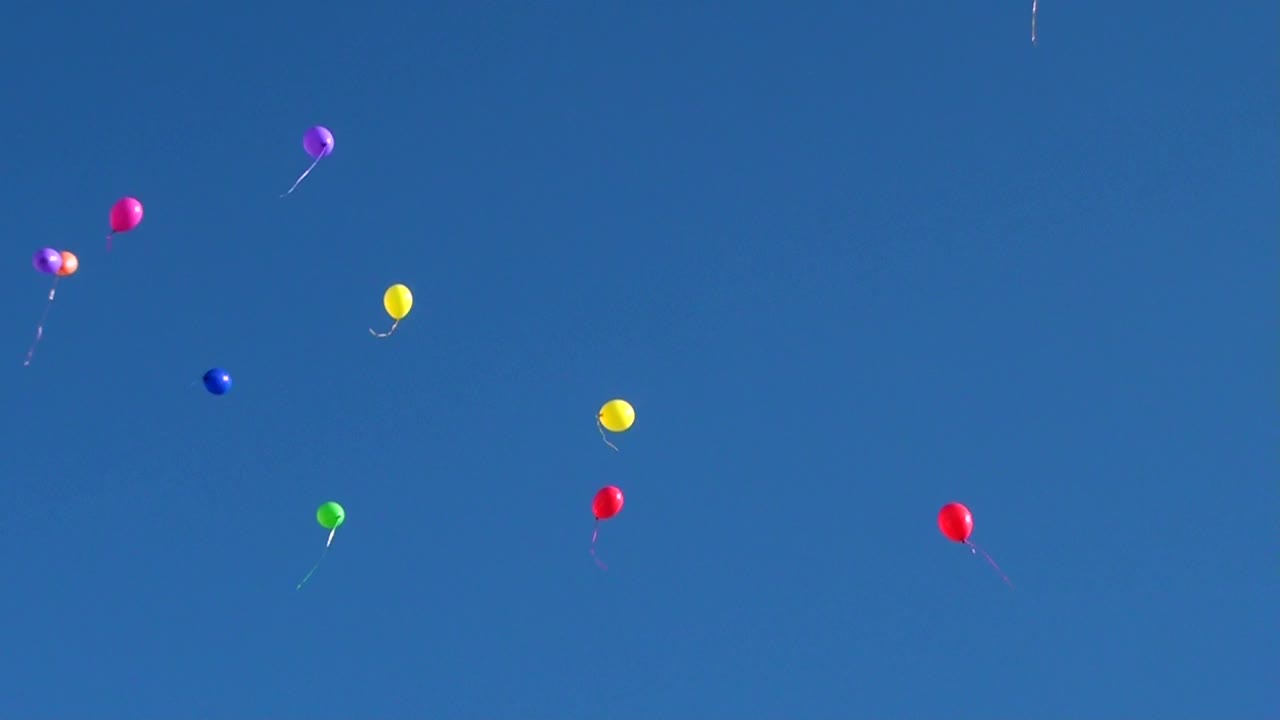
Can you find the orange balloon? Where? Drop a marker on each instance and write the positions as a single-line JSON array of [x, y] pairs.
[[70, 263]]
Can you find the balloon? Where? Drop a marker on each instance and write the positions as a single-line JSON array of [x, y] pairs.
[[70, 264], [956, 522], [318, 142], [125, 215], [607, 503], [47, 260], [217, 381], [330, 515], [51, 262], [398, 301], [617, 416]]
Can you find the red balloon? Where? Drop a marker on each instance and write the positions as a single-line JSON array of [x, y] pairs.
[[956, 522], [607, 503]]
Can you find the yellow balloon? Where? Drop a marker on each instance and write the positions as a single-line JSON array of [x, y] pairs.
[[398, 301], [617, 416]]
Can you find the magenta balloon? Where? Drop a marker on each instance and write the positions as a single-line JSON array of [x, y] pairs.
[[318, 141], [126, 214], [47, 260]]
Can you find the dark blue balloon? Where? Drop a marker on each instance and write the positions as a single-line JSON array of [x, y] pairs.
[[217, 381]]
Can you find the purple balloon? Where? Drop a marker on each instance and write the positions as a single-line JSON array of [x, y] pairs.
[[47, 260], [318, 142]]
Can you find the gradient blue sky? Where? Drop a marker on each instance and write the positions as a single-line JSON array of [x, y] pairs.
[[849, 261]]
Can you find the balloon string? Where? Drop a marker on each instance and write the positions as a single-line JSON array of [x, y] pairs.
[[304, 174], [313, 568], [594, 535], [387, 333], [600, 427], [317, 565], [1033, 21], [109, 236], [975, 550], [40, 327]]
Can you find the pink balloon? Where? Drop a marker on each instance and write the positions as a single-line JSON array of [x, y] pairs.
[[126, 214]]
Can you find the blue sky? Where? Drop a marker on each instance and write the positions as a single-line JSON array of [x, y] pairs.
[[848, 261]]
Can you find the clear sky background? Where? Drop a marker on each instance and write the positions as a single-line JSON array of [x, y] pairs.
[[849, 261]]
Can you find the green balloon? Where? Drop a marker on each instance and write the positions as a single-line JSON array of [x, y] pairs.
[[330, 515]]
